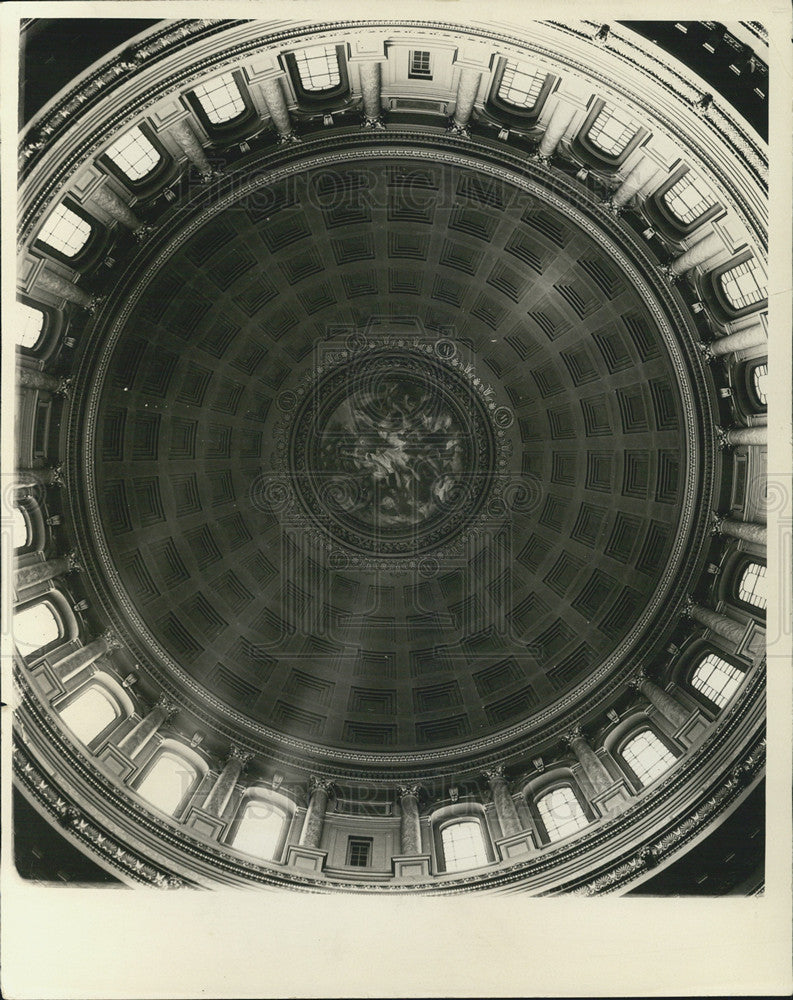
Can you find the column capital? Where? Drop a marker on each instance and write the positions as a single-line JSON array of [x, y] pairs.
[[495, 772], [717, 520], [111, 638], [721, 437], [688, 606], [707, 351], [240, 754], [575, 734], [72, 563], [316, 783], [638, 679], [405, 790], [459, 131], [167, 705], [63, 386]]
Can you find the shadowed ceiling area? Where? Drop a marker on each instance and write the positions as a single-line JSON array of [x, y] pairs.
[[528, 326]]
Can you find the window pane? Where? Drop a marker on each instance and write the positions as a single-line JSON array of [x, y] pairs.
[[688, 198], [30, 323], [561, 812], [90, 712], [716, 679], [463, 846], [35, 627], [65, 231], [221, 99], [759, 381], [20, 529], [260, 829], [420, 64], [752, 586], [168, 782], [134, 154], [318, 67], [521, 85], [358, 852], [647, 756], [611, 131], [741, 284]]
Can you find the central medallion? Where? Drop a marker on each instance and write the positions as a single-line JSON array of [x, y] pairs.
[[393, 448]]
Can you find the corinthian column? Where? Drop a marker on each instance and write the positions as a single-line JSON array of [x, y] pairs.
[[27, 478], [319, 791], [28, 576], [467, 87], [64, 288], [634, 182], [370, 90], [748, 531], [132, 743], [743, 435], [72, 663], [115, 206], [220, 793], [502, 800], [32, 378], [276, 104], [592, 765], [698, 254], [410, 831], [668, 706], [183, 133], [720, 624], [752, 336], [561, 116]]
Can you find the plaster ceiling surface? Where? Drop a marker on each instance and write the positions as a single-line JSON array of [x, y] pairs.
[[389, 455]]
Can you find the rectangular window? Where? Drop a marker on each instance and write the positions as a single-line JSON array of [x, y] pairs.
[[520, 85], [318, 68], [65, 231], [741, 285], [687, 198], [221, 99], [420, 65], [611, 131], [134, 154], [359, 852]]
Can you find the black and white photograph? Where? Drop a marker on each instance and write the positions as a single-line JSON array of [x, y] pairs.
[[396, 499]]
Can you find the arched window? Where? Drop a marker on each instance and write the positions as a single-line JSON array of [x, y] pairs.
[[318, 68], [688, 198], [91, 712], [463, 846], [65, 231], [561, 812], [751, 587], [520, 84], [36, 627], [647, 756], [260, 829], [612, 130], [743, 284], [135, 154], [168, 782], [717, 679], [20, 528], [759, 383], [221, 99], [30, 326]]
